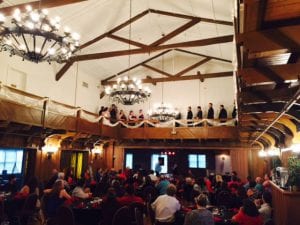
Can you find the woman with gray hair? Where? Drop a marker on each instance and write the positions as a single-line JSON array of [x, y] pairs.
[[200, 216]]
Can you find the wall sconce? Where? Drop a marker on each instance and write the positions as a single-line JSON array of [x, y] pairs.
[[50, 150], [97, 150]]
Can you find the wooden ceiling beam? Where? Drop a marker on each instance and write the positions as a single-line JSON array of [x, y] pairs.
[[202, 55], [137, 65], [254, 14], [187, 77], [268, 96], [270, 74], [127, 41], [157, 70], [183, 16], [63, 70], [268, 116], [196, 43], [175, 32], [36, 5], [119, 27], [195, 65], [259, 44], [282, 10]]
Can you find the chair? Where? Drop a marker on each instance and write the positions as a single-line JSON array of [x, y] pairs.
[[65, 216], [150, 213], [138, 217], [122, 216], [134, 207], [224, 198]]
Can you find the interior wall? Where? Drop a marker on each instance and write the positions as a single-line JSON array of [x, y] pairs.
[[39, 79], [239, 162]]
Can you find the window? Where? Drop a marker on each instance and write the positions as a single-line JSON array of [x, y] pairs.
[[11, 160], [129, 160], [154, 160], [197, 161]]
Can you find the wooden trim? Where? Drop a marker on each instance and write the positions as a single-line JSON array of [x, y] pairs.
[[197, 64], [157, 70]]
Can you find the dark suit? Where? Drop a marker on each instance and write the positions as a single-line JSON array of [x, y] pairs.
[[210, 113]]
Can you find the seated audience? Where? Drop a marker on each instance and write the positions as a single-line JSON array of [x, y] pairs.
[[55, 198], [248, 214], [259, 187], [188, 189], [249, 179], [31, 186], [252, 193], [52, 179], [265, 209], [266, 184], [11, 186], [109, 206], [165, 206], [129, 197], [79, 192], [152, 176], [162, 185], [200, 215]]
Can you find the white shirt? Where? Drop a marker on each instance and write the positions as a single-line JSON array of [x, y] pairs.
[[165, 207], [265, 211], [153, 177], [79, 193]]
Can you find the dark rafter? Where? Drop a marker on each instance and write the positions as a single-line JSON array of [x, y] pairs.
[[196, 43], [187, 77], [157, 70], [197, 64], [206, 56]]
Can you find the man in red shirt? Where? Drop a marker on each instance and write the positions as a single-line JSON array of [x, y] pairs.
[[129, 197]]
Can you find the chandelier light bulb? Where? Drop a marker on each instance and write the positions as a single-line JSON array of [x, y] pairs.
[[29, 25], [35, 17], [28, 8], [46, 27], [125, 78], [45, 12], [118, 80], [51, 51], [67, 30]]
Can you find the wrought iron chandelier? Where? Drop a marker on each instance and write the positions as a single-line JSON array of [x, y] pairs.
[[163, 112], [35, 37], [126, 91]]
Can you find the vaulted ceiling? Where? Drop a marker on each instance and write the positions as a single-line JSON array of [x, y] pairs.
[[268, 48]]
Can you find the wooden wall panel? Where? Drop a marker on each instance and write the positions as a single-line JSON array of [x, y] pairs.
[[239, 162]]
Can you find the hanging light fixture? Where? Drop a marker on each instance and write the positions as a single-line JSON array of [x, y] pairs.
[[126, 91], [35, 37], [163, 112]]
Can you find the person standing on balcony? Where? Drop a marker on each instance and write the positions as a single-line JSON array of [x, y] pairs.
[[222, 114], [210, 113]]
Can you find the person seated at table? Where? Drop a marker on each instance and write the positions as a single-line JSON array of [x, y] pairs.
[[259, 187], [266, 184], [248, 214], [162, 185], [165, 206], [11, 186], [109, 206], [52, 179], [129, 197], [152, 176], [55, 198], [252, 193], [70, 176], [249, 179], [265, 209], [79, 192], [119, 190], [31, 186], [239, 194], [188, 189], [201, 215], [61, 176]]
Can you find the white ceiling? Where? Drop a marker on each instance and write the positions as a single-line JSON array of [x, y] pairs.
[[94, 17]]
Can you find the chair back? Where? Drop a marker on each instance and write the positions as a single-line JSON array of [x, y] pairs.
[[149, 194], [139, 219], [134, 207], [151, 213], [122, 216], [65, 216], [224, 198]]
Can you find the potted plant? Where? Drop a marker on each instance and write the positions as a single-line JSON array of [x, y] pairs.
[[294, 172]]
